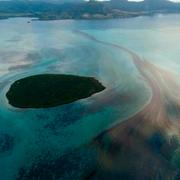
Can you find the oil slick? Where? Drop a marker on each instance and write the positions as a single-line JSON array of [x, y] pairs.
[[146, 145]]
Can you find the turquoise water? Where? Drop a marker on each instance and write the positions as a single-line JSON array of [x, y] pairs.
[[63, 134]]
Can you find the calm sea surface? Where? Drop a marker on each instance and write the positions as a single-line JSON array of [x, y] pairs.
[[58, 143]]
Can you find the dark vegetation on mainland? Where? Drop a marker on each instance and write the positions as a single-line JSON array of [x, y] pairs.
[[80, 9]]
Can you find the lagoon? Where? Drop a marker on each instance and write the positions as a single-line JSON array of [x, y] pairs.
[[133, 58]]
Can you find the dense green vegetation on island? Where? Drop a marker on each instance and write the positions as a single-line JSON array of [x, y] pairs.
[[49, 90], [51, 10]]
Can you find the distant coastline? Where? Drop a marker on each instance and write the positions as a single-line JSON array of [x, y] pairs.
[[85, 17], [86, 10]]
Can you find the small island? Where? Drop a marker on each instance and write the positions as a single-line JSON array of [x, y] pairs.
[[50, 90]]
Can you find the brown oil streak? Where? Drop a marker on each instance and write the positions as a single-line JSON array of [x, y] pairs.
[[141, 145]]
